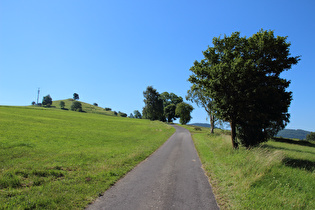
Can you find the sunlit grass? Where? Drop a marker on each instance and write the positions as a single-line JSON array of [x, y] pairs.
[[276, 175], [57, 159]]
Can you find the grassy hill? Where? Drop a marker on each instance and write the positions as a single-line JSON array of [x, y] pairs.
[[56, 159], [89, 108], [280, 174]]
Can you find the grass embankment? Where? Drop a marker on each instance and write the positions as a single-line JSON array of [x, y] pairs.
[[277, 175], [56, 159]]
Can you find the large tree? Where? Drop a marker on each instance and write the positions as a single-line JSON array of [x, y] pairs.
[[242, 76], [153, 108]]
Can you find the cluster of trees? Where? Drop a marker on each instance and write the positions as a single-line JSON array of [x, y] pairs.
[[165, 106], [238, 81]]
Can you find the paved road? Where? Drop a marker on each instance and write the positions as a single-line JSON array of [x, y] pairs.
[[171, 178]]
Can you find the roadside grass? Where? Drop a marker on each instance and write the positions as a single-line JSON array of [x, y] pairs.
[[280, 174], [56, 159]]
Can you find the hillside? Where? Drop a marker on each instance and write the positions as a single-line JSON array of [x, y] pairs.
[[285, 133], [56, 159], [293, 134]]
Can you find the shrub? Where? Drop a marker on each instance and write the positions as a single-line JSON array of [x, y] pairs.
[[47, 101], [108, 109], [310, 136]]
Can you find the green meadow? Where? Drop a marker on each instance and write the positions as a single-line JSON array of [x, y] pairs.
[[280, 174], [59, 159]]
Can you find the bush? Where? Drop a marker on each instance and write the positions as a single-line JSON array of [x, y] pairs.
[[310, 136], [108, 109], [47, 101], [76, 106], [122, 114]]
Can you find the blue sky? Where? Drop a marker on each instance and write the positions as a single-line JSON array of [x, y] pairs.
[[110, 51]]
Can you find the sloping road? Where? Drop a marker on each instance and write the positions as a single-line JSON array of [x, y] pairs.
[[171, 178]]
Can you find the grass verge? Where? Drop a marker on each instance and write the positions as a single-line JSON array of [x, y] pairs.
[[56, 159], [277, 175]]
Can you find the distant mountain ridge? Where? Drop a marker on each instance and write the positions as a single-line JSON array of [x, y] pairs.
[[285, 133]]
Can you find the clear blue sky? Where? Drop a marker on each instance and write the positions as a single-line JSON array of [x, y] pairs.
[[110, 51]]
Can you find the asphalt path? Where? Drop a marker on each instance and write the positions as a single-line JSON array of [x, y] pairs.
[[171, 178]]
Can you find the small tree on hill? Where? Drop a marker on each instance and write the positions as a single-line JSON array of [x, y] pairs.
[[62, 104], [95, 104], [33, 103], [76, 106], [47, 101], [137, 114], [153, 108], [76, 96]]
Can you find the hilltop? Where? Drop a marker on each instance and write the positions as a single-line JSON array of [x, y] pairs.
[[86, 107]]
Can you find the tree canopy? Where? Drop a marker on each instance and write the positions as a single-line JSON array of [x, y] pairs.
[[76, 96], [47, 101], [242, 77], [183, 110], [153, 108]]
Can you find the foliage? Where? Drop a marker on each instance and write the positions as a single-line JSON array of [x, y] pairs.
[[95, 104], [200, 96], [277, 175], [169, 112], [76, 106], [137, 114], [108, 109], [33, 103], [52, 159], [310, 136], [170, 101], [131, 115], [62, 104], [121, 114], [242, 76], [183, 110], [76, 96], [153, 109], [47, 100]]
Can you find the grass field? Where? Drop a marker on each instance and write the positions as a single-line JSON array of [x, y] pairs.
[[277, 175], [56, 159]]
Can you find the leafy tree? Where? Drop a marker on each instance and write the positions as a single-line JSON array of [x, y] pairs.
[[108, 109], [47, 101], [76, 106], [242, 76], [131, 115], [197, 94], [95, 104], [62, 104], [76, 96], [137, 114], [33, 103], [310, 136], [169, 112], [170, 99], [183, 110], [153, 108]]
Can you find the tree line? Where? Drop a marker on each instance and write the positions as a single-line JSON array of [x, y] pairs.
[[165, 107]]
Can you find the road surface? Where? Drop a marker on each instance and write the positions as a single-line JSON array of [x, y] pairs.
[[171, 178]]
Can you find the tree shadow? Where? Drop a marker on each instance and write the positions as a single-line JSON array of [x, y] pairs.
[[299, 163], [283, 148], [290, 141]]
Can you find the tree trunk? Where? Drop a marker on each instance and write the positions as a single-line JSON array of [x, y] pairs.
[[212, 123], [233, 134]]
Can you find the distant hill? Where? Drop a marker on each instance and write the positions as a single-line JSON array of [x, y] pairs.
[[206, 125], [293, 134], [285, 133]]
